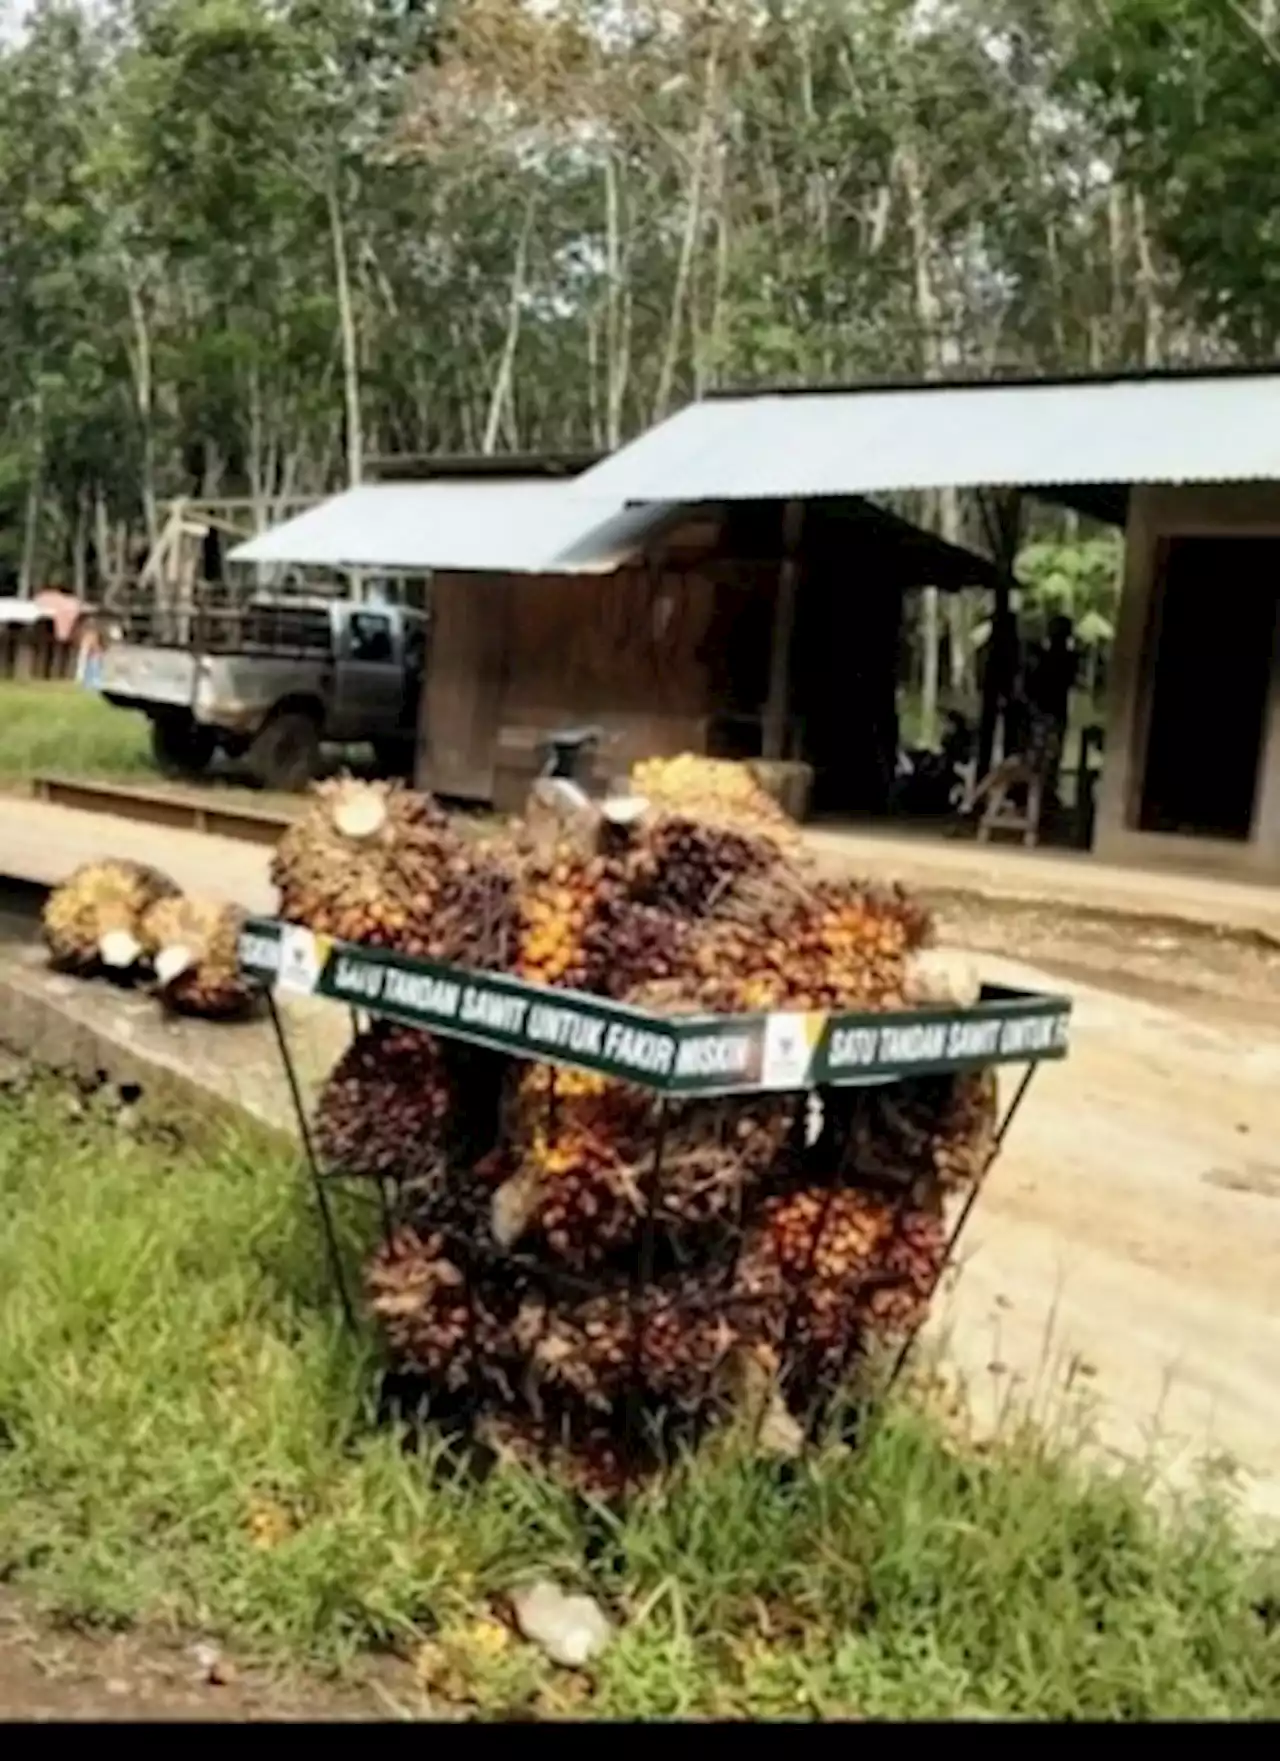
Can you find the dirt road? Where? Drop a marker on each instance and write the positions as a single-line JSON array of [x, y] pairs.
[[1129, 1239]]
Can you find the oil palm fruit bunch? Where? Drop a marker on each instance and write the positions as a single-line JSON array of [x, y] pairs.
[[564, 1178], [626, 944], [559, 894], [788, 940], [366, 863], [669, 1344], [861, 939], [716, 1155], [593, 1457], [385, 1108], [684, 865], [805, 1263], [934, 1134], [711, 789], [441, 1319], [582, 1175], [94, 919], [193, 947], [476, 917], [896, 1300]]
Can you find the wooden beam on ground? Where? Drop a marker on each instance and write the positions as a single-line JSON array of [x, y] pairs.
[[197, 812]]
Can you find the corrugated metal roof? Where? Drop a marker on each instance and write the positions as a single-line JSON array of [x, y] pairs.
[[530, 527], [832, 443]]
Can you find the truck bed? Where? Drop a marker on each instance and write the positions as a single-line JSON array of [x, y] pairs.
[[135, 672]]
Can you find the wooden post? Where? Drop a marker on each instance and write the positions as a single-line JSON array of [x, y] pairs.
[[777, 707], [1004, 523]]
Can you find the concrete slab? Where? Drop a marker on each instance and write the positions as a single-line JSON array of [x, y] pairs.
[[41, 843], [224, 1073]]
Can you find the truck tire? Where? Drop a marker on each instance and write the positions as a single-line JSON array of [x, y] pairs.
[[285, 754], [181, 747]]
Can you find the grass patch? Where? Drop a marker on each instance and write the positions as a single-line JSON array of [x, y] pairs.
[[186, 1437], [61, 727]]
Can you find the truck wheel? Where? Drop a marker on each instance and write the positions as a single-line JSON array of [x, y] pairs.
[[181, 747], [395, 758], [286, 754]]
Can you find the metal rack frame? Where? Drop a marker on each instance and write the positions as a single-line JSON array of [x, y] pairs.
[[675, 1059]]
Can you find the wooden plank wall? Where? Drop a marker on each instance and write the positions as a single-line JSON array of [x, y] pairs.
[[30, 651], [465, 679], [515, 656]]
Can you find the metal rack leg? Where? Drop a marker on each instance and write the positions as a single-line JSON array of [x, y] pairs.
[[642, 1279], [332, 1248], [1002, 1131]]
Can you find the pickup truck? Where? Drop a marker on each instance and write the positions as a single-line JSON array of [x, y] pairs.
[[270, 680]]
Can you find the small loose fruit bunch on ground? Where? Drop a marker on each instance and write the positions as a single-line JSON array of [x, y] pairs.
[[192, 945], [94, 919]]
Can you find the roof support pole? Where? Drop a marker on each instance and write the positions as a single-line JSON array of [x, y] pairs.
[[777, 709], [1002, 516]]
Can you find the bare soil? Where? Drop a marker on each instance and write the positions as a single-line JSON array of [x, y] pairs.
[[1128, 1242], [49, 1675]]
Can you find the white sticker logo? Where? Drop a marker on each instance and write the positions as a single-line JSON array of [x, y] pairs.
[[299, 961], [789, 1041]]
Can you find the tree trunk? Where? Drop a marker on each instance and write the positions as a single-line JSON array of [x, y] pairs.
[[1116, 252], [144, 397], [80, 545], [1153, 322], [108, 579], [349, 337], [616, 363], [34, 506], [929, 639], [688, 243], [501, 395], [777, 711], [928, 313]]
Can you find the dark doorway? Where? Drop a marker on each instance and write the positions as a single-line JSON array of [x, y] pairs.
[[844, 659], [1213, 661]]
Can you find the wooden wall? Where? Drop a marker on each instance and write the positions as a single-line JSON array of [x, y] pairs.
[[672, 655], [515, 656], [30, 651]]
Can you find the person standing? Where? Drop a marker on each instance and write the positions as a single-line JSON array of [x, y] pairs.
[[1051, 676]]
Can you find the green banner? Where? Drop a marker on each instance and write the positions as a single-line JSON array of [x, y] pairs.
[[782, 1052]]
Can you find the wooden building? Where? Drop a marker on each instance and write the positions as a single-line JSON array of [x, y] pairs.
[[1187, 465], [675, 651], [1192, 770], [723, 584], [733, 630]]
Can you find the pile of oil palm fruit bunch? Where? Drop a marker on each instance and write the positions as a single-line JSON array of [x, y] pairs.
[[125, 920], [542, 1273]]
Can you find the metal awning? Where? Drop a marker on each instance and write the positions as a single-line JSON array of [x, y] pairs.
[[1041, 435], [541, 527], [531, 527]]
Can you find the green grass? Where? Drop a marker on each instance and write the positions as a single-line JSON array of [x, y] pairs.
[[171, 1364], [65, 729]]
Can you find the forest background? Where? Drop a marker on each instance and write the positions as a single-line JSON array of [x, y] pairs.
[[248, 245]]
